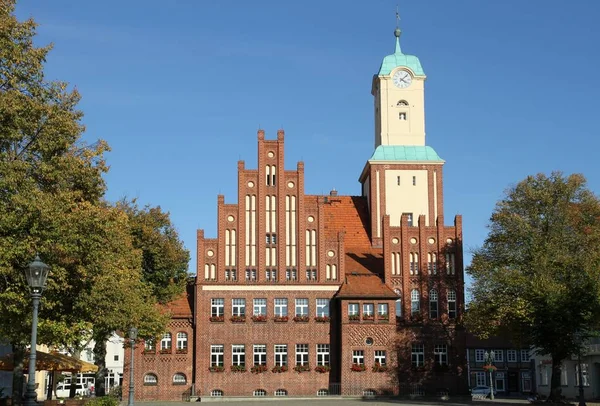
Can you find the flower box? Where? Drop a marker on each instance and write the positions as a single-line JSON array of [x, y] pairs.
[[181, 351], [358, 367], [302, 368], [489, 368], [368, 317], [258, 369], [379, 368], [322, 319], [259, 318], [383, 317], [238, 319], [281, 319], [217, 319], [216, 369], [165, 351], [279, 368], [322, 368], [354, 317], [238, 368], [149, 352], [301, 319]]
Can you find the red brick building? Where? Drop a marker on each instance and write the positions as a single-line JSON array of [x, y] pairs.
[[305, 295]]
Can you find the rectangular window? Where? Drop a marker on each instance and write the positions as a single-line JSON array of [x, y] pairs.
[[353, 311], [480, 379], [380, 357], [368, 311], [499, 356], [260, 354], [398, 180], [216, 355], [440, 353], [301, 307], [280, 355], [418, 355], [409, 218], [238, 355], [511, 355], [260, 307], [291, 275], [238, 307], [322, 307], [479, 355], [584, 375], [544, 375], [452, 304], [358, 357], [301, 354], [383, 311], [525, 356], [281, 307], [323, 354], [217, 307], [116, 358], [564, 378], [414, 181], [500, 382]]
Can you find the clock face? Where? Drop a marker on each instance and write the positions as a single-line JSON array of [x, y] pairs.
[[402, 79]]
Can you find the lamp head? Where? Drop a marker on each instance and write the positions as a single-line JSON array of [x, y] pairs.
[[37, 274]]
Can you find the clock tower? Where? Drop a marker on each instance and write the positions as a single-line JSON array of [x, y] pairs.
[[398, 91]]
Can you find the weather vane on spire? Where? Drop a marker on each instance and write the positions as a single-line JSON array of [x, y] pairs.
[[397, 31]]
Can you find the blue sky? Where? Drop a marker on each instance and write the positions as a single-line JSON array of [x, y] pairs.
[[178, 89]]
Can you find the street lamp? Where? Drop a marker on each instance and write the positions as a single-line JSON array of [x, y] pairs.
[[132, 336], [579, 338], [36, 274], [489, 360]]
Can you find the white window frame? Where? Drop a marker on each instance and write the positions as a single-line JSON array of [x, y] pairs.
[[323, 354], [182, 340], [480, 379], [217, 355], [322, 307], [564, 375], [216, 393], [368, 309], [498, 355], [259, 393], [150, 379], [217, 307], [415, 302], [511, 355], [417, 355], [166, 343], [281, 392], [259, 355], [358, 357], [281, 355], [177, 379], [302, 307], [353, 309], [452, 309], [383, 309], [238, 307], [433, 304], [440, 354], [259, 307], [479, 355], [281, 306], [380, 357], [584, 374], [499, 377], [525, 356], [302, 354], [238, 354]]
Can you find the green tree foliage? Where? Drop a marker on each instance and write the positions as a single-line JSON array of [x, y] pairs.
[[538, 271], [51, 202]]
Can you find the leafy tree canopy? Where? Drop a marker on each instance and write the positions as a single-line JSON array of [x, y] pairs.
[[538, 271]]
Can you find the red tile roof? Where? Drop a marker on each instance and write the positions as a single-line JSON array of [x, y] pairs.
[[351, 215], [365, 285], [182, 306]]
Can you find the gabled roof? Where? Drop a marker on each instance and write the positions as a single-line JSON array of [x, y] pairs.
[[182, 306], [351, 215], [365, 285]]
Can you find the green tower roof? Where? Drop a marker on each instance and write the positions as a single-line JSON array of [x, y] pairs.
[[398, 59], [405, 153]]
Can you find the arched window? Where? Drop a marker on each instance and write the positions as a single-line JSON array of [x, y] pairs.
[[182, 342], [415, 306], [452, 304], [165, 343], [402, 116], [216, 393], [369, 392], [149, 345], [259, 392], [150, 380], [322, 392], [402, 103], [398, 303], [179, 379], [280, 392], [433, 304]]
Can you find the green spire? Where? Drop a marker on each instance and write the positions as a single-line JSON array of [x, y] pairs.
[[398, 59]]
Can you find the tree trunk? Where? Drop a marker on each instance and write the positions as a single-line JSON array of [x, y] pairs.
[[73, 390], [18, 359], [100, 361], [555, 388]]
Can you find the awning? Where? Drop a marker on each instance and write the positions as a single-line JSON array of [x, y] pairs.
[[49, 362]]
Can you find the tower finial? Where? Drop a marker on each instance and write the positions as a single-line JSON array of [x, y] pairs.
[[397, 32]]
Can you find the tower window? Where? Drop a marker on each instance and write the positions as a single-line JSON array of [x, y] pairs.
[[398, 180], [402, 103], [402, 116], [414, 181]]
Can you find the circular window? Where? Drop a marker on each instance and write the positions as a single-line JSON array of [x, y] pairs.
[[431, 240], [250, 184], [330, 254], [270, 154], [413, 240], [310, 219], [369, 341], [395, 240], [449, 241], [230, 218], [291, 185], [210, 253]]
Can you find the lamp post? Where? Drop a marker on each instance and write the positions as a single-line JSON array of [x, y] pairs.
[[132, 336], [489, 359], [579, 339], [36, 274]]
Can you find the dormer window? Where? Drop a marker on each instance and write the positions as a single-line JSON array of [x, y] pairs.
[[402, 103]]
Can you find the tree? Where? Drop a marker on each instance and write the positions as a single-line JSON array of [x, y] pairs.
[[538, 271]]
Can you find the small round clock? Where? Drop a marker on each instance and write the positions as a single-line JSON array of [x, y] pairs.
[[402, 79]]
